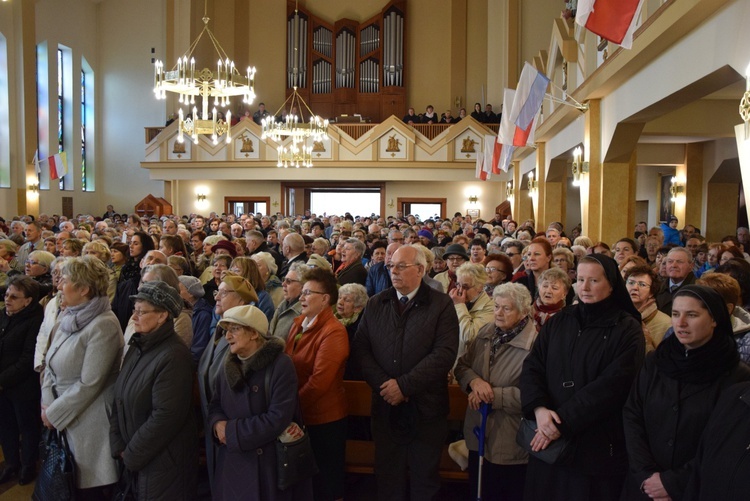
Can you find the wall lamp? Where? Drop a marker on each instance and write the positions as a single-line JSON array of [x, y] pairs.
[[201, 197], [509, 191], [676, 190], [533, 184], [580, 168], [473, 199], [34, 188]]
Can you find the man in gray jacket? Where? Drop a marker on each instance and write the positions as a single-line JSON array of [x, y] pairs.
[[406, 344]]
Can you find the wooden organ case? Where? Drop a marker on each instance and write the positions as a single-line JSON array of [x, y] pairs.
[[348, 67]]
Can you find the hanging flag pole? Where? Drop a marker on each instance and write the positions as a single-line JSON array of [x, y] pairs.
[[575, 104]]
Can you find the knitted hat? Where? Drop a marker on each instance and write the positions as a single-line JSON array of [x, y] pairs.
[[160, 295], [248, 316], [316, 261], [241, 286], [193, 285], [426, 233], [226, 245]]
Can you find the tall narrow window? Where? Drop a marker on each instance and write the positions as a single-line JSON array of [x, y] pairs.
[[83, 131], [4, 116], [60, 109]]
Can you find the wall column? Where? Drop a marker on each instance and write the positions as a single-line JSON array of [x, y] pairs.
[[555, 190], [591, 187], [28, 202], [540, 175], [617, 199], [693, 184]]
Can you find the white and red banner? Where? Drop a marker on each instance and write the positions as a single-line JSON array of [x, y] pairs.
[[57, 164], [529, 95], [613, 20]]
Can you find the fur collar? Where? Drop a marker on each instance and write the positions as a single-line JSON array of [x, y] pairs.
[[237, 371]]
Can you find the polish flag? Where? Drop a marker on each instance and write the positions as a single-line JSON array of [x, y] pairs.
[[479, 173], [532, 86], [613, 20]]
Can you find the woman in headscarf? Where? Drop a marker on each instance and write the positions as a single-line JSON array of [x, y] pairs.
[[575, 383], [675, 392]]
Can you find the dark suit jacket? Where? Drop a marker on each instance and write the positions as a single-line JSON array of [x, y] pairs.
[[285, 269], [664, 297]]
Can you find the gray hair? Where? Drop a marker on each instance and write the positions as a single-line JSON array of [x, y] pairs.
[[685, 251], [45, 258], [517, 293], [163, 273], [556, 274], [357, 292], [474, 271], [358, 245], [87, 271], [300, 268], [268, 260], [429, 257]]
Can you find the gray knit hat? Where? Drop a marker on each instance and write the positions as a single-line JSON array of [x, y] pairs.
[[193, 285], [160, 295]]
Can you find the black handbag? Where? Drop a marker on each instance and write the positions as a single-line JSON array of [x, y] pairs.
[[57, 477], [127, 486], [558, 451], [295, 461]]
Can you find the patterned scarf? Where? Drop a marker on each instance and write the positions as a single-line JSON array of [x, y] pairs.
[[502, 337]]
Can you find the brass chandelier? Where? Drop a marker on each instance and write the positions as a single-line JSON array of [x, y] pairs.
[[183, 80], [298, 128]]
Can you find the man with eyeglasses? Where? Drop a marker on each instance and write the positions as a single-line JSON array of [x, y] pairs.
[[406, 344], [455, 255], [680, 273]]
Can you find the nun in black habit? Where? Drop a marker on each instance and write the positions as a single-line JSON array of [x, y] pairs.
[[575, 382], [675, 393]]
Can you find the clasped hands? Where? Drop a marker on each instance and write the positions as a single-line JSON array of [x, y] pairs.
[[391, 393], [546, 430]]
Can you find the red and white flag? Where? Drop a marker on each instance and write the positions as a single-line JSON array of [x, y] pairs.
[[532, 86], [479, 172], [613, 20], [58, 165]]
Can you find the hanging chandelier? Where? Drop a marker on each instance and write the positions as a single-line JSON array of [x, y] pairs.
[[183, 80], [298, 128]]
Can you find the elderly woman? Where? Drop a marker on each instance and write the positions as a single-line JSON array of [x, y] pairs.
[[54, 307], [538, 259], [489, 372], [290, 307], [219, 265], [575, 382], [268, 269], [553, 288], [255, 401], [233, 291], [20, 320], [319, 347], [8, 261], [38, 266], [152, 427], [130, 277], [473, 305], [499, 270], [82, 364], [564, 259], [101, 251], [351, 302], [643, 284], [675, 392], [247, 268], [201, 313]]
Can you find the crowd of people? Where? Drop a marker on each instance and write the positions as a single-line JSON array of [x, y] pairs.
[[618, 354]]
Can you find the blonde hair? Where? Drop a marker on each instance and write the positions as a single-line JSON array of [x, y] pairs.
[[101, 250], [87, 271], [473, 270]]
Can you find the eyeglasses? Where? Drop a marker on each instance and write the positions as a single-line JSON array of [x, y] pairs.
[[511, 254], [140, 313], [220, 294], [288, 281], [31, 262], [641, 285], [463, 286], [492, 269], [400, 266], [308, 292], [455, 258]]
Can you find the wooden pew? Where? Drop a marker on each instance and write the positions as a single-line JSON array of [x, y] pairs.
[[360, 454]]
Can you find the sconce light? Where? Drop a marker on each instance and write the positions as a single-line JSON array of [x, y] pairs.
[[533, 184], [509, 190], [201, 197], [579, 167], [34, 188], [677, 189], [473, 199], [390, 203], [745, 104]]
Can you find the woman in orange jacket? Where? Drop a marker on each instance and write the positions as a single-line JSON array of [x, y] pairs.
[[319, 346]]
